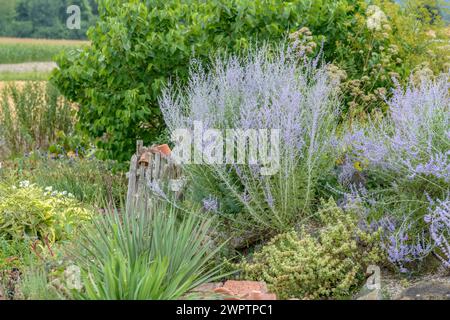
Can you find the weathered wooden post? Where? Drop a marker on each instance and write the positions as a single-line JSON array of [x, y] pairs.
[[150, 167]]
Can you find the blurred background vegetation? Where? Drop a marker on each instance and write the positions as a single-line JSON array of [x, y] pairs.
[[44, 18]]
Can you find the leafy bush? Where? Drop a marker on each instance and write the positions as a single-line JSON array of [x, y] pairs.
[[12, 253], [151, 253], [330, 264], [34, 285], [265, 89], [31, 115], [382, 43], [46, 272], [137, 47], [404, 167], [29, 212]]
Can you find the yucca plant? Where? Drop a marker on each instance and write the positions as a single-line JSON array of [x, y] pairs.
[[146, 254]]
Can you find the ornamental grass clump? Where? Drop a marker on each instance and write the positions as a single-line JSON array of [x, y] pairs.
[[152, 253], [263, 90], [403, 165], [327, 264]]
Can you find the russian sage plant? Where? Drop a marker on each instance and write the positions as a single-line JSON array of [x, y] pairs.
[[262, 90], [403, 161], [439, 222]]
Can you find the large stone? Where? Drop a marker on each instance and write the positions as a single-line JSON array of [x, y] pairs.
[[245, 290], [233, 290], [427, 290], [374, 294], [207, 287], [243, 287]]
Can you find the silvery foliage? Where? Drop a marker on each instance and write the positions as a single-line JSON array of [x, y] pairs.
[[265, 89]]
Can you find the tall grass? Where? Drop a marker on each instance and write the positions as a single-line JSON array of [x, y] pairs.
[[31, 114]]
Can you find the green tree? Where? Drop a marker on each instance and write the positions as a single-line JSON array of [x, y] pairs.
[[7, 14], [44, 18]]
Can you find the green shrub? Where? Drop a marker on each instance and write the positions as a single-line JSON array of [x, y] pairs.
[[34, 285], [383, 43], [46, 272], [136, 48], [151, 253], [12, 253], [28, 212], [328, 264]]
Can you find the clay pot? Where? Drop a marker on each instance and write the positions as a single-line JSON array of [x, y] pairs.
[[163, 149]]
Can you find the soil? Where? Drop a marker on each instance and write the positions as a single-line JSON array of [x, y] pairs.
[[395, 287]]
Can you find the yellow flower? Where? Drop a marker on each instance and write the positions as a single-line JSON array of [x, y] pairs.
[[71, 154], [358, 166]]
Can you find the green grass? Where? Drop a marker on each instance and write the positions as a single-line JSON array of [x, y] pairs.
[[24, 50], [24, 76]]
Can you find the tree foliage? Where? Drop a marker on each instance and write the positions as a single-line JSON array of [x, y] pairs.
[[44, 18]]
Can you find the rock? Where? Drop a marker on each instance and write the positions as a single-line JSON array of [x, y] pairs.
[[245, 290], [245, 240], [233, 290], [207, 287], [73, 278], [427, 290], [244, 287], [257, 295], [371, 295], [372, 289]]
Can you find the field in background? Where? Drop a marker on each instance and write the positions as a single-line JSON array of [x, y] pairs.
[[24, 76], [16, 50]]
